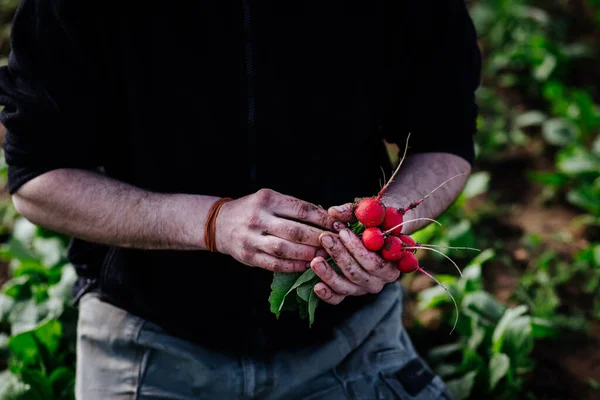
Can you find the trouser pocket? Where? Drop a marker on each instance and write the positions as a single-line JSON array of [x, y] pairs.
[[412, 381], [108, 359]]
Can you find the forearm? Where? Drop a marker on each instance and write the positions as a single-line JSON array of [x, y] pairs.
[[419, 175], [93, 207]]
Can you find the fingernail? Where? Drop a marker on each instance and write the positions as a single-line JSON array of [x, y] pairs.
[[327, 241], [338, 226], [345, 235], [322, 292], [319, 267], [339, 209]]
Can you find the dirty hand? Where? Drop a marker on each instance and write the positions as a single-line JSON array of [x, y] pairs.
[[363, 271], [270, 230]]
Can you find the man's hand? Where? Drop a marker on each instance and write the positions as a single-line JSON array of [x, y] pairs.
[[270, 230], [363, 271]]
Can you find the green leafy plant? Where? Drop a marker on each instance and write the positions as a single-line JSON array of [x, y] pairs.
[[493, 349], [37, 323]]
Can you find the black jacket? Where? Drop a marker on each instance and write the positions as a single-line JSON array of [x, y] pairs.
[[223, 98]]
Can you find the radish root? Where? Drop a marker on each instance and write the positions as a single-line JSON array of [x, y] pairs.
[[437, 251], [447, 247], [447, 291]]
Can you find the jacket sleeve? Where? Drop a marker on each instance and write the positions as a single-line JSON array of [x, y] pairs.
[[434, 98], [52, 98]]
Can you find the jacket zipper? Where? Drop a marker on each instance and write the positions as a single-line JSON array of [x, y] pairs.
[[251, 99], [252, 148]]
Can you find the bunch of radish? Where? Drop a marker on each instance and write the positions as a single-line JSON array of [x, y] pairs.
[[380, 227], [381, 230]]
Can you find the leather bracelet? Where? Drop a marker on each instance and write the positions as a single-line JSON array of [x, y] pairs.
[[210, 226]]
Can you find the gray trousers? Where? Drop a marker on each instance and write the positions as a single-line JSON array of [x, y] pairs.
[[121, 356]]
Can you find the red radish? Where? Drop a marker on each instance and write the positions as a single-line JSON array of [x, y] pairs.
[[408, 241], [393, 249], [370, 212], [408, 263], [393, 218], [373, 239]]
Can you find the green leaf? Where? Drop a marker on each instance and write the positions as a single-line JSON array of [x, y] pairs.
[[11, 387], [33, 270], [596, 146], [306, 276], [439, 353], [543, 328], [553, 179], [445, 370], [577, 160], [543, 71], [510, 315], [62, 289], [15, 250], [483, 305], [424, 235], [483, 257], [477, 335], [17, 288], [31, 346], [585, 197], [313, 301], [280, 286], [307, 287], [51, 250], [62, 380], [593, 383], [456, 231], [39, 384], [357, 228], [432, 297], [24, 231], [471, 361], [518, 339], [6, 305], [529, 118], [25, 315], [302, 307], [49, 334], [462, 387], [25, 349], [477, 184], [499, 365], [3, 341]]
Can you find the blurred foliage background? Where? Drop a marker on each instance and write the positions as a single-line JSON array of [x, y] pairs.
[[529, 301]]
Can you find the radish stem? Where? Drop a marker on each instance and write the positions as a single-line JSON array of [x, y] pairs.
[[447, 291], [382, 191], [416, 203], [410, 220], [383, 172]]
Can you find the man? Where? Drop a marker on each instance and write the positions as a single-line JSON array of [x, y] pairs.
[[126, 126]]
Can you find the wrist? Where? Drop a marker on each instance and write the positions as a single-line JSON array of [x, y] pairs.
[[216, 227]]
